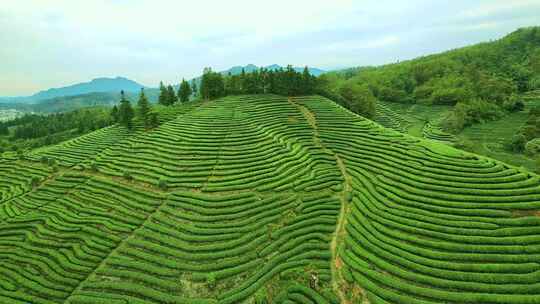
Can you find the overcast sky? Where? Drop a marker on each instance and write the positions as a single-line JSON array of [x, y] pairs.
[[52, 43]]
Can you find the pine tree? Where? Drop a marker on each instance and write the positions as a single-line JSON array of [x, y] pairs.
[[171, 95], [125, 112], [143, 107], [114, 114], [154, 120], [194, 88], [163, 100], [307, 82], [184, 91]]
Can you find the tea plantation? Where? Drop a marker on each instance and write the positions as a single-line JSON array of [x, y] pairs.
[[266, 199]]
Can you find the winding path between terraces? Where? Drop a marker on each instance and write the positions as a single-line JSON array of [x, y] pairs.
[[337, 278]]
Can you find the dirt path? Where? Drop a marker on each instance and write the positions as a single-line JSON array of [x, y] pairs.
[[337, 279]]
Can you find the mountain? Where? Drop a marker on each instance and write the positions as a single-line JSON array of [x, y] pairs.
[[94, 86], [265, 199], [74, 102]]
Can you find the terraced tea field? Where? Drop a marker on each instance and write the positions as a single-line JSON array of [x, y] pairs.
[[265, 199]]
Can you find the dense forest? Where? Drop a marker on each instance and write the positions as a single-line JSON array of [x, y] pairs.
[[482, 82], [34, 130]]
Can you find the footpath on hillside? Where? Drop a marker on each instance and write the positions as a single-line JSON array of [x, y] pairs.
[[344, 196]]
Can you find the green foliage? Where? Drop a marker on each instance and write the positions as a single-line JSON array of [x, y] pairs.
[[153, 120], [261, 297], [162, 183], [211, 280], [359, 99], [469, 77], [33, 126], [286, 82], [114, 114], [212, 84], [163, 98], [171, 95], [532, 147], [471, 112], [194, 88], [125, 113], [424, 224], [143, 110], [127, 175], [184, 91], [35, 181]]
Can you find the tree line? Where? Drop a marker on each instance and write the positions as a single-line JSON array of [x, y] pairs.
[[287, 82], [168, 96], [124, 114]]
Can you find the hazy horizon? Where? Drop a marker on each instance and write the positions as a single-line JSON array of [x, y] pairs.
[[67, 42]]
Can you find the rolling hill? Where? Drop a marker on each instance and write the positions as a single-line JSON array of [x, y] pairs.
[[96, 85], [265, 199]]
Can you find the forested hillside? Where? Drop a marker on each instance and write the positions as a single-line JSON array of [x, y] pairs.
[[449, 96], [481, 81]]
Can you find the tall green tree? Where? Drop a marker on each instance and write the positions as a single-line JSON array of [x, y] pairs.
[[143, 109], [163, 95], [114, 114], [308, 82], [184, 92], [212, 84], [171, 95], [194, 88], [125, 112]]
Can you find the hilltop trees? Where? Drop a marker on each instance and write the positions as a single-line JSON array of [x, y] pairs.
[[184, 92], [143, 109], [125, 112], [163, 95], [171, 95], [212, 84], [287, 82]]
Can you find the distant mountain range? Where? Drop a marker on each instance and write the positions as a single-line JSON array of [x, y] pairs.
[[104, 91], [98, 85]]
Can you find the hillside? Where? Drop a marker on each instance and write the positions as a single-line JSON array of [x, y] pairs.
[[264, 199], [448, 96]]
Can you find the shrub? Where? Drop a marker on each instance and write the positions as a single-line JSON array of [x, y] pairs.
[[94, 167], [532, 147], [211, 280], [51, 162], [127, 175], [513, 104], [35, 181], [517, 143], [162, 183], [261, 296]]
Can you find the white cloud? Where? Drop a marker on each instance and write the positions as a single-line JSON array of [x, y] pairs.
[[49, 43]]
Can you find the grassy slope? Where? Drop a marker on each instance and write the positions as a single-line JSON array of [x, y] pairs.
[[298, 201]]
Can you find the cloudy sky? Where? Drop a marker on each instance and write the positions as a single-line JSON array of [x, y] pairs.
[[52, 43]]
